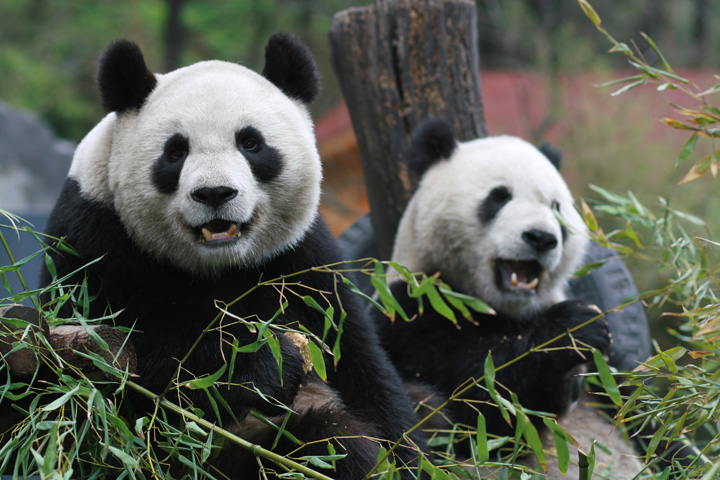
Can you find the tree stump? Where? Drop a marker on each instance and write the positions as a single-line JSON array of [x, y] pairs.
[[399, 63]]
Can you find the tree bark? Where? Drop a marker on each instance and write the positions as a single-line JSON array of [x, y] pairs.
[[174, 35], [399, 63]]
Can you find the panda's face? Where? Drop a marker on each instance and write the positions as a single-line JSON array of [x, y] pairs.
[[208, 166], [206, 176], [497, 220]]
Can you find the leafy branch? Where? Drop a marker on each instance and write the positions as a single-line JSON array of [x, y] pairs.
[[703, 121]]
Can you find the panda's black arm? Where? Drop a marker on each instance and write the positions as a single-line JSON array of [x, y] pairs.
[[432, 350]]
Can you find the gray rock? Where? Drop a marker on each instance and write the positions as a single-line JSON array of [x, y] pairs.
[[33, 166], [33, 162]]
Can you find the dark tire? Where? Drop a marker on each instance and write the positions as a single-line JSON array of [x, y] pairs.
[[607, 287]]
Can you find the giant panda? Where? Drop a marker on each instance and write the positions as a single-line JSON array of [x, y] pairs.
[[495, 219], [197, 185]]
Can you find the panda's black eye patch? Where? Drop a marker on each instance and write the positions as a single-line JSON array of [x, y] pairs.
[[265, 161], [167, 168], [494, 202]]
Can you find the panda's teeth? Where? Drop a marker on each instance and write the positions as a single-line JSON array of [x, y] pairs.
[[210, 236], [515, 283]]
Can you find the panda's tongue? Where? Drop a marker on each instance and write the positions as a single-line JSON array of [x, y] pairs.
[[213, 231]]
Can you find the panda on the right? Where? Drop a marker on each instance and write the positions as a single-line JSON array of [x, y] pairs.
[[496, 220]]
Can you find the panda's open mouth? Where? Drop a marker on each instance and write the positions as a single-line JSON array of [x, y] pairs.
[[518, 275], [217, 232]]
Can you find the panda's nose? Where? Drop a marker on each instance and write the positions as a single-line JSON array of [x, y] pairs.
[[214, 196], [540, 240]]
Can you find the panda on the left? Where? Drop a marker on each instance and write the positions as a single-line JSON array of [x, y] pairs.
[[196, 186]]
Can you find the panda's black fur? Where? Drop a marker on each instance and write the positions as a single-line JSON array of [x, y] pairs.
[[168, 305], [435, 352]]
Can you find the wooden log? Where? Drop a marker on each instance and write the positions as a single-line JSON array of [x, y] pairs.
[[399, 63], [13, 333], [66, 341]]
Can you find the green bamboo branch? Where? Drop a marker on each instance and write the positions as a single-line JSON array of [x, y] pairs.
[[255, 449], [12, 260]]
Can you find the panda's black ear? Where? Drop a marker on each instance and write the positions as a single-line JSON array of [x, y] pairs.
[[433, 140], [552, 154], [291, 67], [123, 78]]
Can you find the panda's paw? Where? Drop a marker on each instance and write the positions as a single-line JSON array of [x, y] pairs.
[[566, 316]]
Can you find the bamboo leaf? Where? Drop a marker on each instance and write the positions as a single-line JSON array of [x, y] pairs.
[[657, 361], [482, 441], [678, 125], [469, 301], [686, 150], [588, 268], [590, 12], [561, 439], [440, 306], [668, 361], [606, 378], [318, 360], [274, 343], [618, 81], [657, 52], [489, 373], [206, 381], [654, 442], [698, 170], [628, 87], [391, 305], [589, 217], [531, 435], [59, 402]]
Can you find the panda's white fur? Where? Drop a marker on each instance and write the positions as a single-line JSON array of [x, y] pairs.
[[440, 230], [113, 166]]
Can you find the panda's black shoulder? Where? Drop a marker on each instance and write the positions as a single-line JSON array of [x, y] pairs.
[[317, 248], [88, 227]]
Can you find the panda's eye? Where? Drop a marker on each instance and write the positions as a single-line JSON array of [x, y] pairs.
[[250, 140], [251, 145], [176, 148], [176, 155], [500, 195]]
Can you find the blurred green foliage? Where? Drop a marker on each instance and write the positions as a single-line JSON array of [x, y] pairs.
[[48, 49]]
